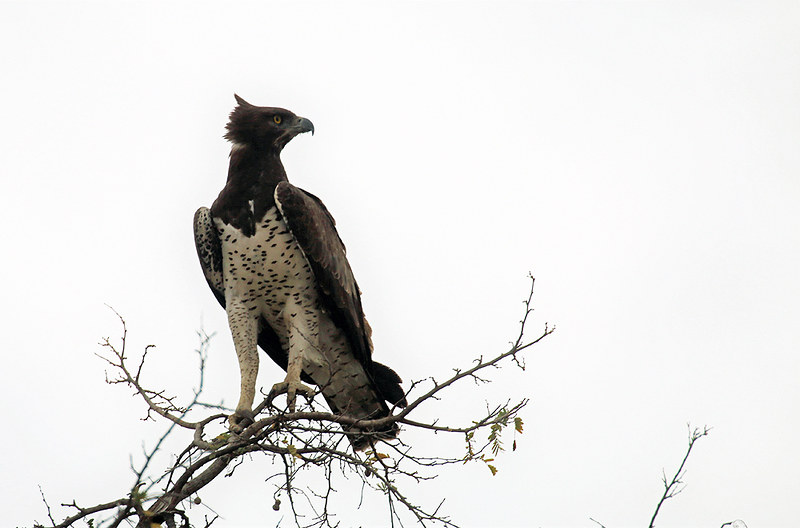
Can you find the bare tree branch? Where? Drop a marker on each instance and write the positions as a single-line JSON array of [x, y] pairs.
[[675, 485], [598, 522], [308, 439], [152, 398]]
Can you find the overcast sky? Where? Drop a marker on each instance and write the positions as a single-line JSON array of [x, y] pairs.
[[639, 158]]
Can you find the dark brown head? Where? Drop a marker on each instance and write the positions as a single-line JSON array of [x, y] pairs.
[[263, 126]]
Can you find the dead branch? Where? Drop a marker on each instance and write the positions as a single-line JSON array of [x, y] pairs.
[[676, 485], [308, 439]]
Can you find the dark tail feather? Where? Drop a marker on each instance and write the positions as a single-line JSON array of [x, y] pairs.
[[363, 441], [361, 437], [388, 384]]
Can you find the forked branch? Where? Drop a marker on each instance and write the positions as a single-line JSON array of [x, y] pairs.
[[303, 440], [676, 485]]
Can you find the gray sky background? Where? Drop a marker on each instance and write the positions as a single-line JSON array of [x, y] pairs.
[[640, 158]]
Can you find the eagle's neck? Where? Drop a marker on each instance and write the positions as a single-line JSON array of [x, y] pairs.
[[252, 166], [253, 174]]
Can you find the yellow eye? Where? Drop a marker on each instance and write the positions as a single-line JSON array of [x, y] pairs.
[[277, 119]]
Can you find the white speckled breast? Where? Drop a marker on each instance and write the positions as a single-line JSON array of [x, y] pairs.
[[265, 270], [269, 273]]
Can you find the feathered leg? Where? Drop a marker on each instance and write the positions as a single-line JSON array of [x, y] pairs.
[[244, 327], [303, 341]]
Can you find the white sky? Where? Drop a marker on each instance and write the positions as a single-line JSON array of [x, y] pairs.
[[640, 158]]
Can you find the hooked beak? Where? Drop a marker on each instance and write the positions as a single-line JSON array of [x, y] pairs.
[[300, 125], [303, 125]]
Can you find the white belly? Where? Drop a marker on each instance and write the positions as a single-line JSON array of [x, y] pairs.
[[265, 269], [269, 276]]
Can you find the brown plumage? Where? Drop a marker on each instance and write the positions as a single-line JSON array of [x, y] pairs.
[[273, 258]]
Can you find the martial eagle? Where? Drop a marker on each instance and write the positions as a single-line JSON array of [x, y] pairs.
[[274, 260]]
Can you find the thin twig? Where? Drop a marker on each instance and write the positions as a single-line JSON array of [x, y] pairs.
[[305, 439], [672, 488]]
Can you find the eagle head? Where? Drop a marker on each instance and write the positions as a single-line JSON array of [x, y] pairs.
[[263, 126]]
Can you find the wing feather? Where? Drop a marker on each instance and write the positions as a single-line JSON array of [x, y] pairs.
[[315, 231], [209, 250], [314, 228]]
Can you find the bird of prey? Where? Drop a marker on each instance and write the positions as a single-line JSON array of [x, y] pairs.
[[272, 256]]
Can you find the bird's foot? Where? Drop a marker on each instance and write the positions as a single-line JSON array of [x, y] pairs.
[[240, 419], [290, 389]]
